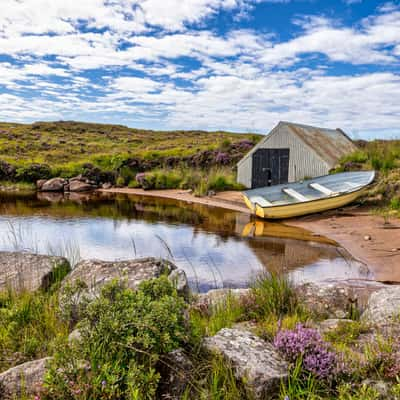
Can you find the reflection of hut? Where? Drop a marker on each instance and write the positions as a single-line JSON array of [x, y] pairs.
[[278, 255]]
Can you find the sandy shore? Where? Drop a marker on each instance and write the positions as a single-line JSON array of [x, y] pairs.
[[366, 237]]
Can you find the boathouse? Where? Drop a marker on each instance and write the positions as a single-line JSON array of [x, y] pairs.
[[292, 152]]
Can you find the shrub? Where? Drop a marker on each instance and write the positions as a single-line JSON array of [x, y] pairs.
[[120, 181], [123, 335], [306, 344], [33, 173], [395, 203]]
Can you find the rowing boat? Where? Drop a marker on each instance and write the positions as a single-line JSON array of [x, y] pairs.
[[308, 196]]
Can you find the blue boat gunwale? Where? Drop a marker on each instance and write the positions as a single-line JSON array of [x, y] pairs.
[[306, 182]]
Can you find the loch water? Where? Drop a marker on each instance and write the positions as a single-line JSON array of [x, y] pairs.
[[216, 247]]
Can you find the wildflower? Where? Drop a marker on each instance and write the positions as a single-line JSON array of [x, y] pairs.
[[308, 344]]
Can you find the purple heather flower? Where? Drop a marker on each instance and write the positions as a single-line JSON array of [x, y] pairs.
[[307, 343]]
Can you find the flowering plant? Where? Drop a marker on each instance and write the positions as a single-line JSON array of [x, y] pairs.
[[307, 344]]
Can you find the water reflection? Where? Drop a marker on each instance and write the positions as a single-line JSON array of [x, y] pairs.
[[217, 248]]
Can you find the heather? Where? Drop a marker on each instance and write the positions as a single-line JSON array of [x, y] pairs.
[[125, 337], [116, 154]]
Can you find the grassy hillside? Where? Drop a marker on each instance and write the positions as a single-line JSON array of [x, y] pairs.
[[116, 153], [62, 143]]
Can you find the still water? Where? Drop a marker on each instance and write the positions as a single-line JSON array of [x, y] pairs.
[[217, 248]]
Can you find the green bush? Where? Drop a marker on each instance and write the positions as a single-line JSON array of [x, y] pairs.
[[123, 335], [33, 172], [120, 181], [395, 203]]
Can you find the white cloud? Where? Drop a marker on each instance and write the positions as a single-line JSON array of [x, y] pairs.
[[241, 80]]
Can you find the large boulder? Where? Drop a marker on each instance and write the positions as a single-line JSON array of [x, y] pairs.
[[23, 381], [53, 185], [25, 271], [95, 273], [80, 186], [383, 308], [254, 361], [336, 298]]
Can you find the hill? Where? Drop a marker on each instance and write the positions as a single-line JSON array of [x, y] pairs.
[[113, 153]]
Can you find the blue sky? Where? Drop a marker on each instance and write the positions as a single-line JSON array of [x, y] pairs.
[[239, 65]]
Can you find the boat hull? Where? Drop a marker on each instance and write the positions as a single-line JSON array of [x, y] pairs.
[[304, 208]]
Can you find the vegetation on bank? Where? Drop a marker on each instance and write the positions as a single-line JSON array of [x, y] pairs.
[[384, 157], [125, 336], [116, 154]]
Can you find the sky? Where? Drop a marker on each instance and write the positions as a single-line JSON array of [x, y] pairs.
[[236, 65]]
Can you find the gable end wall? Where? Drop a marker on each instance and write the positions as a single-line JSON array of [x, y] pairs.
[[303, 161]]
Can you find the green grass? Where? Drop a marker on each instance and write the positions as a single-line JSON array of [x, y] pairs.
[[29, 325], [65, 146]]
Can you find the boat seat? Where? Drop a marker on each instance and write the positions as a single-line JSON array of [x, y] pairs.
[[260, 201], [352, 185], [323, 189], [296, 195]]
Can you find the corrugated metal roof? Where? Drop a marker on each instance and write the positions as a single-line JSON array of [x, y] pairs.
[[329, 144]]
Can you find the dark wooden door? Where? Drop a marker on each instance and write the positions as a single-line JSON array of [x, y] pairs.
[[270, 167]]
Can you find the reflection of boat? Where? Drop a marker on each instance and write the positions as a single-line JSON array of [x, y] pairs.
[[309, 196], [270, 229]]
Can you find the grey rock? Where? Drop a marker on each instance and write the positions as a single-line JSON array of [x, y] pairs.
[[75, 336], [179, 280], [95, 273], [336, 298], [382, 388], [176, 373], [79, 186], [254, 361], [23, 380], [53, 185], [25, 271], [40, 183], [383, 308], [216, 296], [332, 324], [106, 185]]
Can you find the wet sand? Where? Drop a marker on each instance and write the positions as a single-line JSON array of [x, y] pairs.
[[366, 237]]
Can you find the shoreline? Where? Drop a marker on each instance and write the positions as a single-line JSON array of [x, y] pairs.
[[366, 237]]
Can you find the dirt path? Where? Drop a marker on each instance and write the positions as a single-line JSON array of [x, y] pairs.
[[363, 235]]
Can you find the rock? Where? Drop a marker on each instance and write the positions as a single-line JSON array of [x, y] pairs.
[[383, 308], [254, 361], [179, 280], [382, 387], [75, 336], [95, 273], [25, 271], [367, 237], [79, 186], [40, 183], [53, 185], [176, 372], [23, 380], [216, 296], [336, 298], [329, 325], [106, 185]]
